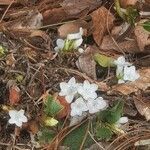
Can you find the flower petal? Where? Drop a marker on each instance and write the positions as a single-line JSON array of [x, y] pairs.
[[12, 113], [77, 43], [81, 50], [94, 87], [19, 123], [21, 112], [24, 119], [60, 43], [11, 121], [123, 120], [57, 49], [72, 81], [69, 98]]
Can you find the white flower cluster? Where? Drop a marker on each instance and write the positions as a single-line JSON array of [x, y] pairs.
[[74, 40], [83, 97], [125, 71]]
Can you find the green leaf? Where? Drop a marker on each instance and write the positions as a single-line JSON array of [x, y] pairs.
[[103, 60], [104, 133], [75, 138], [46, 136], [118, 9], [131, 15], [69, 45], [52, 107], [146, 25], [112, 115], [2, 51]]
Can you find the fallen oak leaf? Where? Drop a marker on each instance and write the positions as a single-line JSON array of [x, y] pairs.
[[143, 107], [131, 87], [100, 24]]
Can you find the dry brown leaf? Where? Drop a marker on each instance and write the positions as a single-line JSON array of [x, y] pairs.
[[69, 10], [86, 63], [33, 126], [32, 19], [142, 37], [72, 27], [143, 107], [40, 40], [5, 2], [66, 107], [126, 46], [131, 87], [14, 94], [74, 7], [102, 19], [10, 60], [125, 3]]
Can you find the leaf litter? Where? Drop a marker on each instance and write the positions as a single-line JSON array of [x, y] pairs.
[[33, 74]]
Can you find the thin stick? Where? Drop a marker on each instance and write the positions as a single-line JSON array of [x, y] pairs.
[[95, 141], [6, 10]]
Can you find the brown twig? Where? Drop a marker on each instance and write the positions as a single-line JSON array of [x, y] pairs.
[[6, 10]]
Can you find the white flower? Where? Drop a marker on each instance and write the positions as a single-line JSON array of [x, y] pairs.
[[73, 41], [121, 81], [81, 50], [87, 91], [17, 117], [60, 45], [95, 105], [75, 36], [77, 43], [121, 121], [69, 89], [78, 107], [121, 63], [130, 73]]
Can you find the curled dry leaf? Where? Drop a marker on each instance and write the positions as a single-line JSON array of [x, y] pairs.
[[86, 63], [102, 21], [142, 37], [131, 87], [66, 107], [72, 27], [143, 107]]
